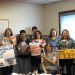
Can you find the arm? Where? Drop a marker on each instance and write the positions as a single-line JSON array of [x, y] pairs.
[[13, 40], [50, 61], [43, 65], [58, 45]]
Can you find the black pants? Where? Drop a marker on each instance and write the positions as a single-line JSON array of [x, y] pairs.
[[68, 63], [6, 70], [35, 63]]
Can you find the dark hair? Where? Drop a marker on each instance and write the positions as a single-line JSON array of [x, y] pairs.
[[6, 31], [68, 37], [47, 45], [50, 35], [22, 31], [34, 27], [39, 33]]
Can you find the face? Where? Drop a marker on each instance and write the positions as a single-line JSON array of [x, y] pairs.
[[38, 35], [23, 35], [65, 34], [53, 33], [34, 30], [8, 32], [48, 48]]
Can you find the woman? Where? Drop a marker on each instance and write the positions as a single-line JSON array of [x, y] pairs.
[[53, 38], [66, 43], [8, 40], [36, 51], [49, 61]]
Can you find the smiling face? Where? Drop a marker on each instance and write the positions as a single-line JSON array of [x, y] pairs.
[[65, 34], [8, 32], [54, 33], [38, 35]]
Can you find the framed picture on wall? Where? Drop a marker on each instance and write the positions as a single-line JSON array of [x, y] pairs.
[[4, 23]]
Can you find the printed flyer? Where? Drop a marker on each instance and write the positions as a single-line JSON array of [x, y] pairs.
[[7, 56]]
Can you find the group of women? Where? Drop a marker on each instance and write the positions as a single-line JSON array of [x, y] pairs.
[[39, 55]]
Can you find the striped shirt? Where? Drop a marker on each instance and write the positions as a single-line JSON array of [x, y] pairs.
[[35, 48]]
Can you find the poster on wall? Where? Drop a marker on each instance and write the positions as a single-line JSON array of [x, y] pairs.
[[4, 23], [7, 56]]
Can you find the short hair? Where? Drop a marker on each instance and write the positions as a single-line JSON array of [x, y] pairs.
[[6, 31], [34, 27], [22, 31]]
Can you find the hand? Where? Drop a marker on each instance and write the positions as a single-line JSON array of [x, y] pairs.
[[45, 72], [23, 48], [44, 56], [10, 40]]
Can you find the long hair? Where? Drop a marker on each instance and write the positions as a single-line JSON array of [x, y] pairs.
[[39, 33], [50, 35], [6, 31], [68, 37], [47, 45]]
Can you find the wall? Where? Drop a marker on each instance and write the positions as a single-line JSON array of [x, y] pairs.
[[51, 13], [22, 16]]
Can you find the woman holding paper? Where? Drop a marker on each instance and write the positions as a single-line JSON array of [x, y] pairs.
[[10, 41], [66, 43], [35, 49]]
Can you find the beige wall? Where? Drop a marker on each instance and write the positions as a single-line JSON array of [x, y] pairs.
[[51, 11], [22, 16]]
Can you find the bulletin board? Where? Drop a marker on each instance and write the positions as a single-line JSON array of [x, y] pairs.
[[4, 23]]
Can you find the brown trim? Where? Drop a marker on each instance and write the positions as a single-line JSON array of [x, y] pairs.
[[69, 11], [63, 12]]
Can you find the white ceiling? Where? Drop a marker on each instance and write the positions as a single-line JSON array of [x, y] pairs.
[[34, 1], [41, 1]]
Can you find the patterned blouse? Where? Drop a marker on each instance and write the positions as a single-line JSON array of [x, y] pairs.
[[65, 44]]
